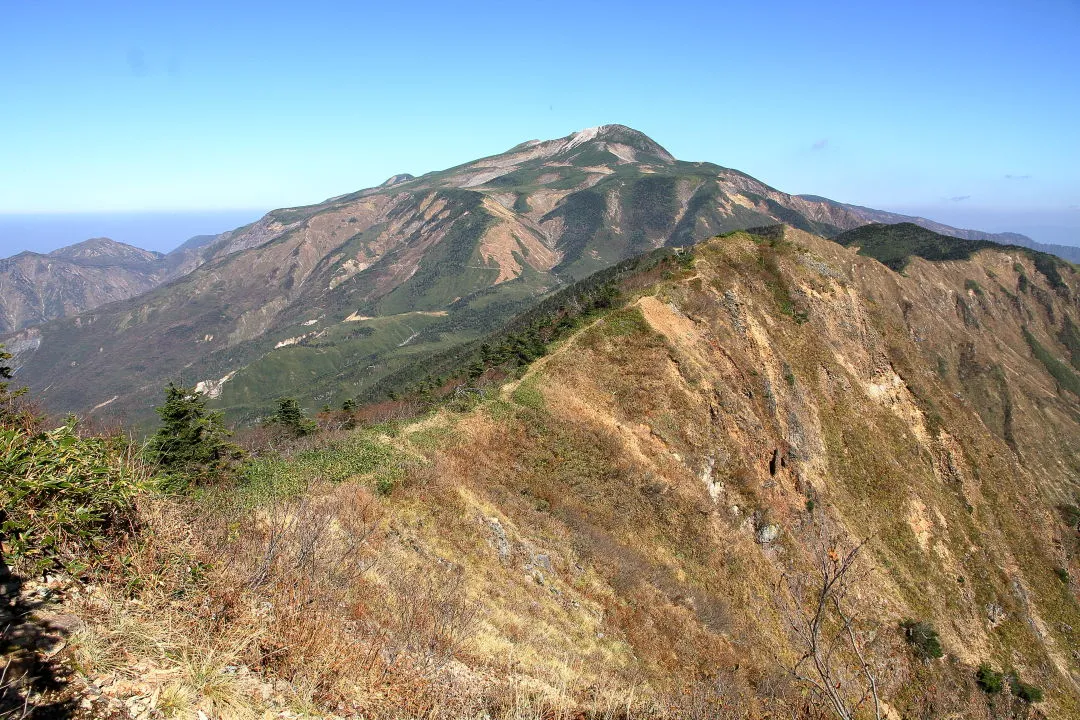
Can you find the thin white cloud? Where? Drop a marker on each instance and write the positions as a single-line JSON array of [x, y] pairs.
[[820, 144]]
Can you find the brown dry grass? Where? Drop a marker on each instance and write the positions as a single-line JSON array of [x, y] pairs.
[[586, 543]]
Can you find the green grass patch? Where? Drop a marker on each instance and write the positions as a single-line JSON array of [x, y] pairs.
[[434, 436], [527, 394], [629, 321], [361, 457], [1061, 372]]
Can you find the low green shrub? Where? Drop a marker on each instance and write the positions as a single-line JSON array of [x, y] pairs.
[[64, 496], [923, 638], [1070, 515], [9, 411], [1027, 693], [384, 485], [989, 680], [362, 456]]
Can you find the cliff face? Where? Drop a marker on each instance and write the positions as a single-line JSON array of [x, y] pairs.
[[682, 457]]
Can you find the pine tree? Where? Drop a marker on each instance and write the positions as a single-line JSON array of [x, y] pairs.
[[290, 415], [192, 439], [5, 375]]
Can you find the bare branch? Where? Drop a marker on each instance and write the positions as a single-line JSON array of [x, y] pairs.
[[826, 633]]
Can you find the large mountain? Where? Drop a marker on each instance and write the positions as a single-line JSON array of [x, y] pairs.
[[324, 300]]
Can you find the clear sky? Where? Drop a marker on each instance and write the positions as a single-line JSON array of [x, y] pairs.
[[966, 112]]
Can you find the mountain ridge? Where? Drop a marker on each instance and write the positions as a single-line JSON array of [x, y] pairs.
[[601, 140], [646, 514], [1066, 252], [324, 300], [38, 287]]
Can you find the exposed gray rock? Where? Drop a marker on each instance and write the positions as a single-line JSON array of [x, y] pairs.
[[500, 540], [995, 614], [767, 533]]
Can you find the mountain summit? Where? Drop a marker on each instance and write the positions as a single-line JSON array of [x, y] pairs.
[[36, 288], [106, 251], [622, 142]]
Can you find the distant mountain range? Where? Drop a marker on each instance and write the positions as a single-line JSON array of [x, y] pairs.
[[37, 287], [1067, 252], [323, 301]]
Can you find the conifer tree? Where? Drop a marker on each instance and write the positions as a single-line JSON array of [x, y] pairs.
[[5, 371], [191, 439], [5, 374], [291, 416]]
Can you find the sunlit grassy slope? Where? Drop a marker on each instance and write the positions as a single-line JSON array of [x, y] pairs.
[[623, 530]]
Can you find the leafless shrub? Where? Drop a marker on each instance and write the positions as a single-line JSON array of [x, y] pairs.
[[316, 538], [433, 616], [823, 618], [342, 606], [721, 697]]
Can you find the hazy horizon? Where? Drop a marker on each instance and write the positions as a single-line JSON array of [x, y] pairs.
[[159, 231]]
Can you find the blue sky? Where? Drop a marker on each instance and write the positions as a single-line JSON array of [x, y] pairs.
[[965, 112]]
